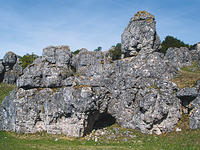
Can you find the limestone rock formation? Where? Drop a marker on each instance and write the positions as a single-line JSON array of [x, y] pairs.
[[10, 68], [197, 47], [179, 56], [65, 93], [140, 34], [195, 114], [2, 71], [187, 95], [48, 71]]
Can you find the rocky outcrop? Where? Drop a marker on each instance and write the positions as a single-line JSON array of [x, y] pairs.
[[50, 97], [179, 56], [187, 95], [2, 71], [65, 93], [140, 34], [10, 68], [195, 114], [197, 47]]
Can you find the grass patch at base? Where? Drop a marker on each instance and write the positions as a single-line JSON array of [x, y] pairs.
[[184, 140]]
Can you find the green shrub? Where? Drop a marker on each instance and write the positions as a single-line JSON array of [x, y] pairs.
[[27, 60], [98, 49], [115, 52], [5, 89], [171, 41], [76, 51]]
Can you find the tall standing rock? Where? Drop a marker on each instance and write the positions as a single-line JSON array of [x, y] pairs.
[[140, 34]]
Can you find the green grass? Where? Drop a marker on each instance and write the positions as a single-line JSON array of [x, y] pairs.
[[188, 76], [185, 140], [5, 90]]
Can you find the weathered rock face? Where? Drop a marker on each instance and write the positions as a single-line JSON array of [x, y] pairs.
[[48, 71], [197, 47], [89, 63], [2, 71], [142, 95], [195, 55], [65, 93], [140, 35], [10, 68], [9, 59], [179, 56], [187, 95], [195, 114], [68, 110]]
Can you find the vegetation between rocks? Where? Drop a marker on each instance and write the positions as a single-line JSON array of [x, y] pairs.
[[5, 90], [188, 76]]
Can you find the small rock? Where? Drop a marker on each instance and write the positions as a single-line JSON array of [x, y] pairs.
[[178, 129], [96, 139], [116, 130], [124, 140]]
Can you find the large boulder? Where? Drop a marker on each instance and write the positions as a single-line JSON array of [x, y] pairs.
[[140, 34], [89, 63], [49, 70], [179, 56], [195, 55], [9, 59], [195, 114], [70, 110], [197, 47], [142, 95], [10, 68]]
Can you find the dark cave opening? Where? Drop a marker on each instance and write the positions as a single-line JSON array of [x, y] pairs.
[[104, 120]]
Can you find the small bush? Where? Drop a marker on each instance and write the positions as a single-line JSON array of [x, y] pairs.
[[115, 52], [76, 52], [27, 60], [171, 41]]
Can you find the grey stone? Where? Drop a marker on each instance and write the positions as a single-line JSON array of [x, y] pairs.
[[48, 71], [178, 129], [2, 71], [11, 76], [65, 93], [10, 68], [116, 130], [186, 95], [195, 114], [10, 59], [195, 55], [197, 47], [64, 111], [179, 56], [140, 34]]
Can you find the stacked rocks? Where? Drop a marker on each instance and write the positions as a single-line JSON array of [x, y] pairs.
[[10, 68]]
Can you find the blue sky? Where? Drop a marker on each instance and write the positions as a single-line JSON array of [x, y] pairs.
[[28, 26]]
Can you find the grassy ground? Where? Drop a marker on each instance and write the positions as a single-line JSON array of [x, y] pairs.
[[188, 76], [5, 90], [185, 140]]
